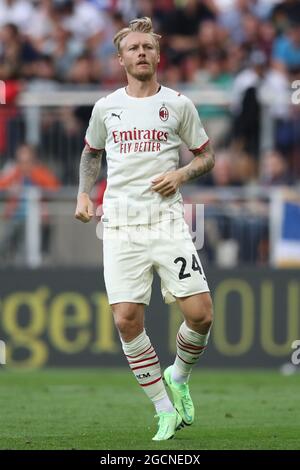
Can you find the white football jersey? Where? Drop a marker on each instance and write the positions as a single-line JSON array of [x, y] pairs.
[[142, 137]]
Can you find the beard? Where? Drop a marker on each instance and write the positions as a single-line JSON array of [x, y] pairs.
[[142, 75]]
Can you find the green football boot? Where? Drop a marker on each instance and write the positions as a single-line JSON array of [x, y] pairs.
[[181, 397], [168, 424]]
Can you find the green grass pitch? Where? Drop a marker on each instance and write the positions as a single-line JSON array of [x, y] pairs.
[[105, 409]]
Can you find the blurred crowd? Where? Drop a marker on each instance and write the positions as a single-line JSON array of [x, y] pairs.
[[247, 49]]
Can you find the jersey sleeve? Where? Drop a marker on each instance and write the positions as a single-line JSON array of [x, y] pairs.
[[191, 130], [95, 136]]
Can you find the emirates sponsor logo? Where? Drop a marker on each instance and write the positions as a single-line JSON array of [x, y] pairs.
[[163, 113], [139, 140], [139, 134]]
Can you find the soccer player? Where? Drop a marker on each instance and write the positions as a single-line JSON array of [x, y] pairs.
[[141, 127]]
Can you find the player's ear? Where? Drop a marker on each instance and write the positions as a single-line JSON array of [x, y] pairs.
[[158, 55], [121, 61]]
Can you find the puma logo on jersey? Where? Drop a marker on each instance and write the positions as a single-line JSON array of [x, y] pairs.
[[117, 115]]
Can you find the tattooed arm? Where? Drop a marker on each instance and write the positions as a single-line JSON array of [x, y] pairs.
[[88, 172], [202, 163], [168, 183]]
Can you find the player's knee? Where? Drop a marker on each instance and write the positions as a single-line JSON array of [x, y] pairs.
[[206, 316], [202, 324], [123, 323], [126, 318], [207, 320], [203, 315]]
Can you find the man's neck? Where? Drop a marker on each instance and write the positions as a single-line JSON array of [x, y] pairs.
[[139, 89]]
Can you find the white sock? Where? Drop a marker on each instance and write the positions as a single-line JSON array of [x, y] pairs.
[[145, 365], [164, 404], [190, 346]]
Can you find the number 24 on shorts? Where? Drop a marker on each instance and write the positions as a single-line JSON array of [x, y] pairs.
[[195, 267]]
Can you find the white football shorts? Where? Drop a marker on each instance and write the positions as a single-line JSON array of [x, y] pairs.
[[131, 252]]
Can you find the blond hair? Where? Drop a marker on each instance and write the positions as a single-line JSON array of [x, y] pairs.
[[138, 25]]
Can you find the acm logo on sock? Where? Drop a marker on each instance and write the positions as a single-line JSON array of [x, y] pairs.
[[2, 353], [143, 376]]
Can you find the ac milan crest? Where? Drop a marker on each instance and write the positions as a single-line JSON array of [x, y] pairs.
[[163, 113]]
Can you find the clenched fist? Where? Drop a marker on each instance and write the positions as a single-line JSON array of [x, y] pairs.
[[84, 210]]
